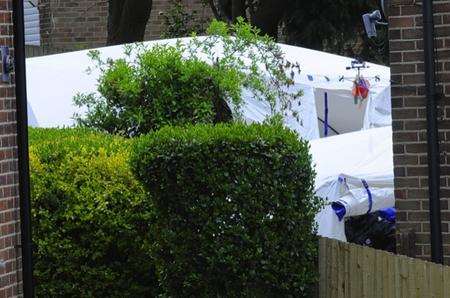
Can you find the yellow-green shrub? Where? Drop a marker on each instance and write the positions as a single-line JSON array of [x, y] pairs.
[[90, 217]]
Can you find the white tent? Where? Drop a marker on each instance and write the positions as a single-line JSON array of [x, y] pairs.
[[354, 170], [333, 75], [257, 111], [342, 162], [32, 121], [378, 110], [52, 82]]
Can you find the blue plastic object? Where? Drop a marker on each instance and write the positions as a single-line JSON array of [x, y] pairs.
[[339, 209], [389, 214], [369, 194]]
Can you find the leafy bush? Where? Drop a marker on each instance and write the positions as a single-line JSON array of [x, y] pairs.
[[90, 217], [159, 88], [234, 210], [189, 83]]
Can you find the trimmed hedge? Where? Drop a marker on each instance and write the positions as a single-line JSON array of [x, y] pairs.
[[91, 217], [234, 210]]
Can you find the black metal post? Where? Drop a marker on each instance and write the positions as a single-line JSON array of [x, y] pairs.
[[432, 133], [22, 144]]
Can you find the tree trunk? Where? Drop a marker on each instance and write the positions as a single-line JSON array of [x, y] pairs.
[[267, 15], [238, 9], [223, 9], [127, 20]]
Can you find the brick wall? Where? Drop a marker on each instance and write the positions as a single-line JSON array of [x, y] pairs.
[[409, 118], [9, 201], [73, 24], [155, 27], [79, 24]]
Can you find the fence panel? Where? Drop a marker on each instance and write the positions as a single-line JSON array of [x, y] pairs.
[[348, 270]]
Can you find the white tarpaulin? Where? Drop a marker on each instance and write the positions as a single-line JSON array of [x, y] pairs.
[[31, 117], [378, 111], [329, 73], [354, 170], [344, 163], [53, 81], [255, 110]]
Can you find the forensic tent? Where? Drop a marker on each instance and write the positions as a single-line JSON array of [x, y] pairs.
[[333, 79], [355, 170], [53, 81], [378, 110], [32, 121], [326, 108], [354, 176], [257, 111]]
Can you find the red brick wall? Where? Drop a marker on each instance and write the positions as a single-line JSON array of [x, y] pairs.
[[9, 201], [409, 118], [155, 25], [79, 24], [73, 24]]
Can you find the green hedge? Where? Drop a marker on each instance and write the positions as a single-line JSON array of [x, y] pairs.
[[234, 210], [90, 217]]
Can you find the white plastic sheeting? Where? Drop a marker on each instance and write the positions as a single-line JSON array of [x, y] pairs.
[[32, 121], [342, 163], [378, 111], [343, 115], [255, 110], [52, 82], [328, 73]]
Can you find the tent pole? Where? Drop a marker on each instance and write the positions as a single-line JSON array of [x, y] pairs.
[[329, 126], [325, 124]]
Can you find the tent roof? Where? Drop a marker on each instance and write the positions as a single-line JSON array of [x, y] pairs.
[[364, 154], [54, 80], [326, 68]]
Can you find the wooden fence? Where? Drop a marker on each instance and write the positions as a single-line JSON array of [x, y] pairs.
[[348, 270]]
